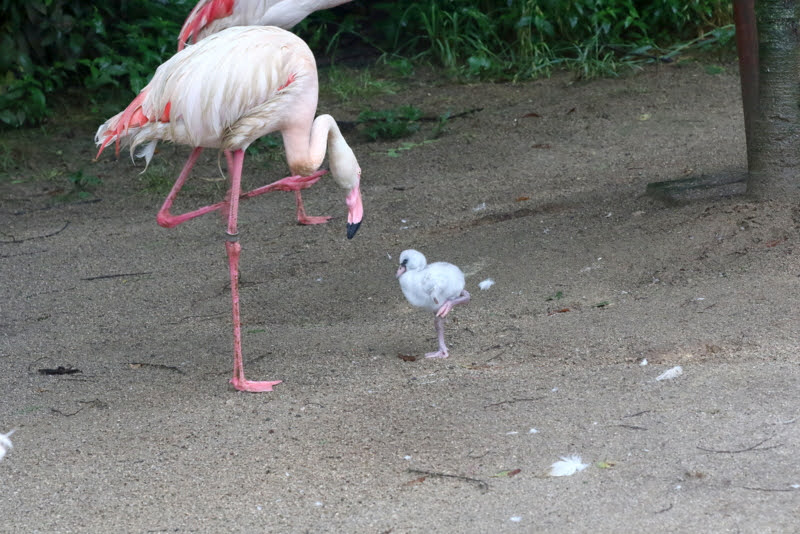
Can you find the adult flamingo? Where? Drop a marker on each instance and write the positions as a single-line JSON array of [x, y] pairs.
[[211, 16], [226, 92]]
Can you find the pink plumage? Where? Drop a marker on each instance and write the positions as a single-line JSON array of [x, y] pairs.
[[211, 16], [226, 92]]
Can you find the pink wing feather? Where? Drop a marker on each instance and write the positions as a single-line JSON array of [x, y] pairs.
[[205, 12]]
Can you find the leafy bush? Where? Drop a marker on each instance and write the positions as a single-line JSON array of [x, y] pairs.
[[390, 123], [522, 38], [49, 44], [52, 45]]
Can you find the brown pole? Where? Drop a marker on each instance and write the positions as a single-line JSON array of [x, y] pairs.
[[744, 15]]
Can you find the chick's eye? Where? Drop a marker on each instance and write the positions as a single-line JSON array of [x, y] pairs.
[[403, 263]]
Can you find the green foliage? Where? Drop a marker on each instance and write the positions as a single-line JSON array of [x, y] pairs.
[[47, 45], [395, 152], [502, 39], [390, 123], [57, 45], [83, 186], [159, 177], [347, 84]]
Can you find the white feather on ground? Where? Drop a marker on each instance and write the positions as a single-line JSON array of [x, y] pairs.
[[486, 284], [5, 444], [669, 374], [568, 465]]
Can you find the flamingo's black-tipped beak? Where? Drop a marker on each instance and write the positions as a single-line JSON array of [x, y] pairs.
[[352, 228], [355, 211]]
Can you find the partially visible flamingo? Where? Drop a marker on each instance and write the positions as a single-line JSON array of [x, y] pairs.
[[211, 16], [226, 92]]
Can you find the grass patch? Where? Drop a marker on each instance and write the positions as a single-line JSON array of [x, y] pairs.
[[395, 152], [349, 84], [389, 124], [159, 178], [83, 186]]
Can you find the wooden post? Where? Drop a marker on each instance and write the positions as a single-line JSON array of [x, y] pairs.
[[744, 15]]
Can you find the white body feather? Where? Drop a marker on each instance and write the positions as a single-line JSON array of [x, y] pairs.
[[5, 444], [567, 466], [429, 286], [669, 374]]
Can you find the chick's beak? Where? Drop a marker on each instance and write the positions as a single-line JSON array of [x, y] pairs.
[[355, 211], [400, 271]]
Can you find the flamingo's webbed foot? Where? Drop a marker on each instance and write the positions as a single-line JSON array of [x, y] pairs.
[[253, 386]]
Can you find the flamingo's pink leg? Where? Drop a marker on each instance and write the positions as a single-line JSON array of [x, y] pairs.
[[296, 184], [164, 217], [302, 218], [290, 183], [233, 248]]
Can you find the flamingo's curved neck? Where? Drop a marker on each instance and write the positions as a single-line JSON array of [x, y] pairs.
[[305, 151]]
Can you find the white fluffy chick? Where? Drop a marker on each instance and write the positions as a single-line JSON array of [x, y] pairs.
[[436, 287]]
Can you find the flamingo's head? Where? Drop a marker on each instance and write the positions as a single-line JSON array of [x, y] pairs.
[[347, 173], [411, 260]]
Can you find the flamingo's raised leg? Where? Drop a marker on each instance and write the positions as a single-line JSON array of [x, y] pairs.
[[233, 248], [296, 184], [302, 218], [164, 217], [290, 183]]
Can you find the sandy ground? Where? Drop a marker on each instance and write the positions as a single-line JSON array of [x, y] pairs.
[[543, 190]]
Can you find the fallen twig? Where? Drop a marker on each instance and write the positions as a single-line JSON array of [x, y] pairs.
[[755, 447], [46, 208], [106, 276], [667, 509], [15, 240], [200, 317], [96, 403], [136, 365], [60, 370], [512, 401], [483, 486], [751, 488]]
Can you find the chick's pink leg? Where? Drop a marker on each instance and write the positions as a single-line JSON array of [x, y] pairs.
[[438, 322], [233, 248], [449, 304]]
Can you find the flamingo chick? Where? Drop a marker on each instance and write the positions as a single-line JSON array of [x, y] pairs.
[[211, 16], [226, 92], [437, 287]]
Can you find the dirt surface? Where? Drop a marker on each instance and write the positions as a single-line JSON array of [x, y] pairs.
[[540, 187]]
